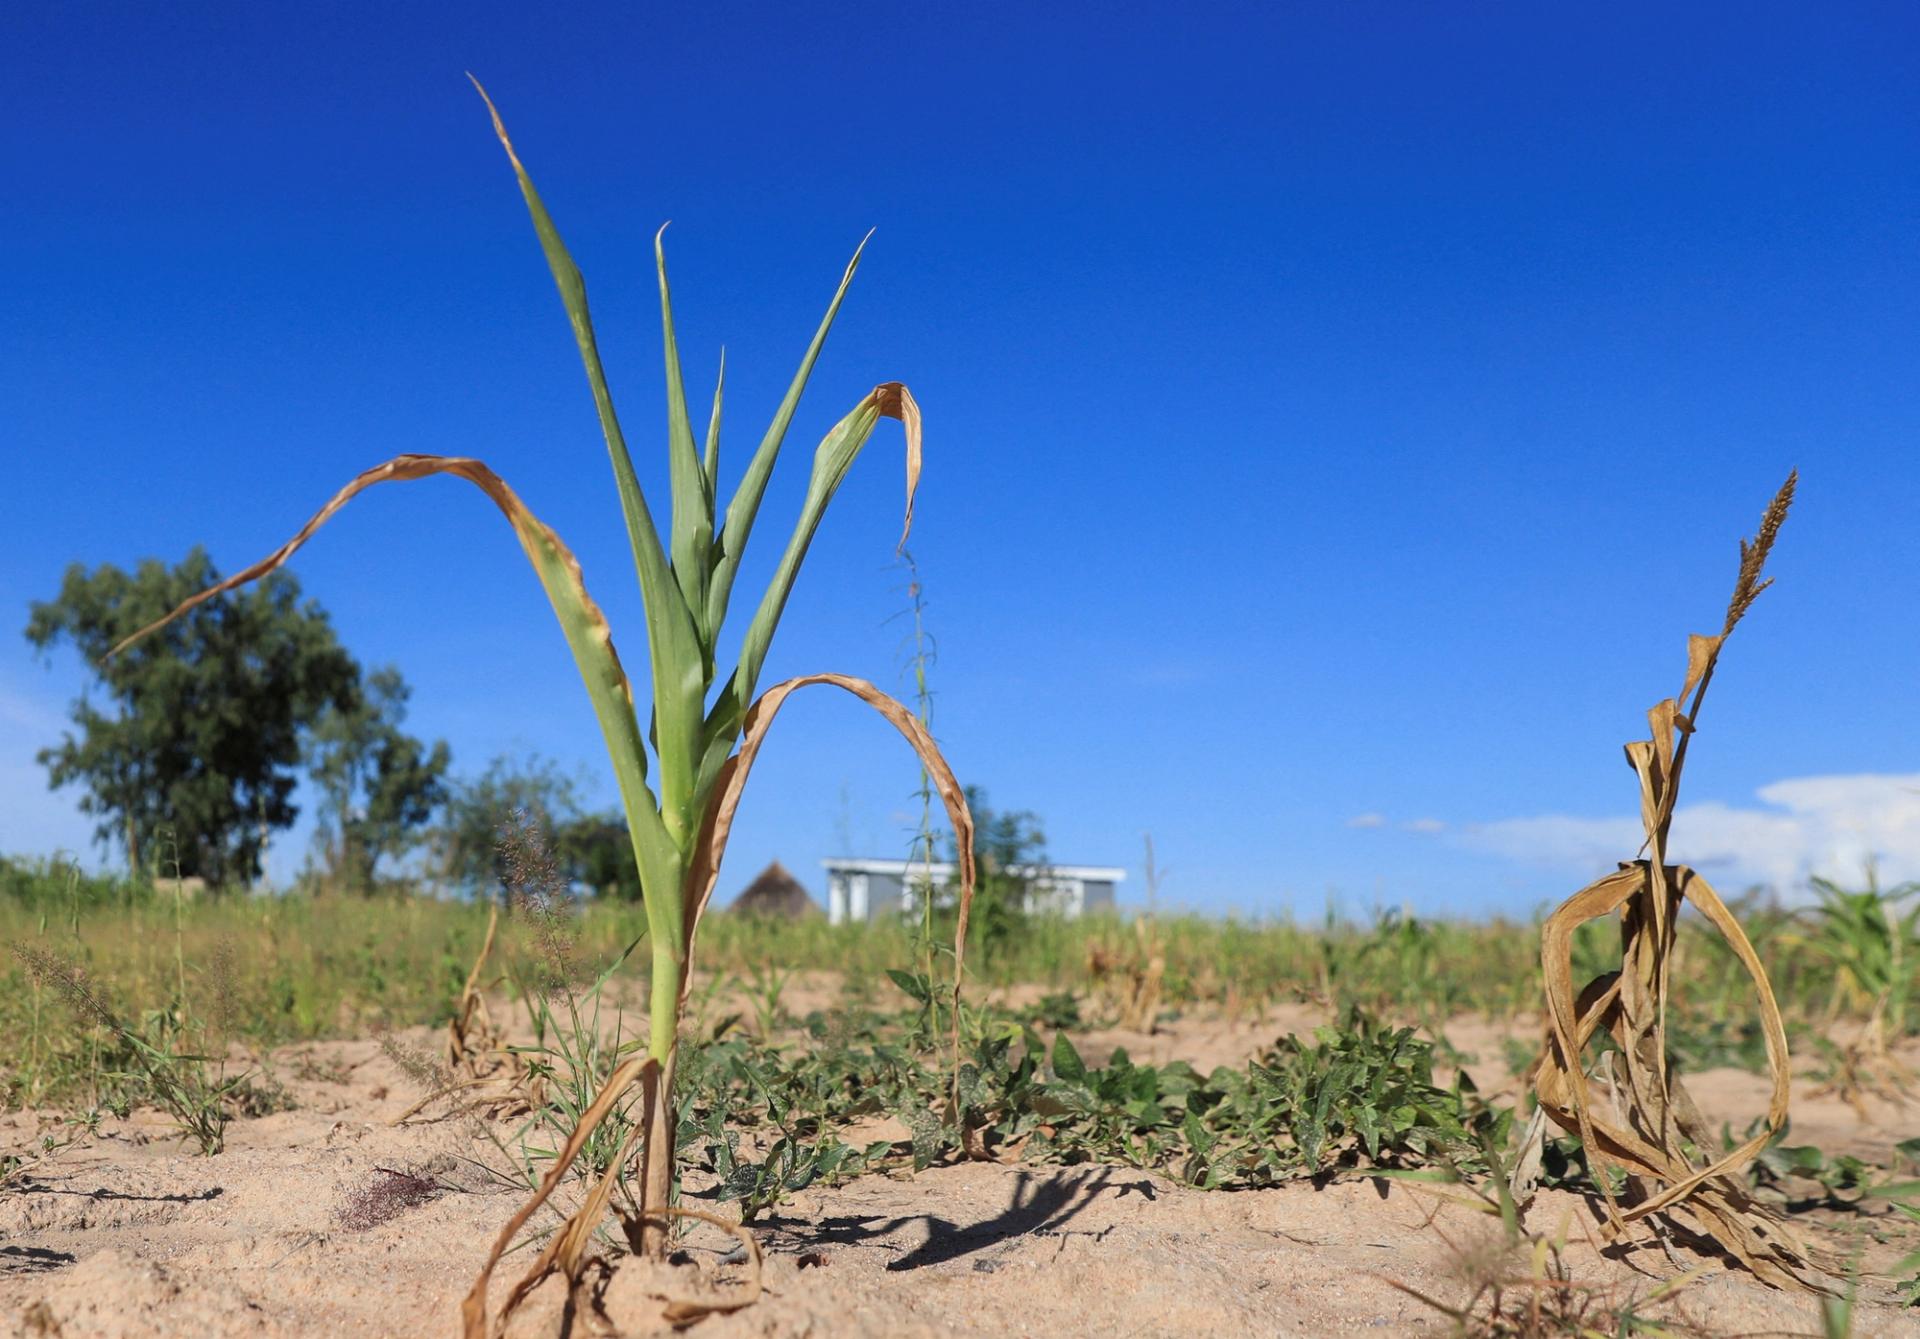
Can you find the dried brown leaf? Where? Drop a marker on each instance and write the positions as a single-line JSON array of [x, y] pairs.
[[644, 1070], [1653, 1118], [1702, 652], [542, 545], [894, 400], [471, 1033], [733, 779]]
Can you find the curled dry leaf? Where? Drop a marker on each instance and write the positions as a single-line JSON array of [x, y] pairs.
[[565, 1249], [894, 400], [566, 1252], [1653, 1120], [705, 870], [581, 621], [559, 570]]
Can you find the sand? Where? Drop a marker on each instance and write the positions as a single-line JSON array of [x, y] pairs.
[[130, 1234]]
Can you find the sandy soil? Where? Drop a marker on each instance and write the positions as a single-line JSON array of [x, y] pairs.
[[131, 1235]]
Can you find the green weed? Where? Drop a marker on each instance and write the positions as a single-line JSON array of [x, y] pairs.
[[193, 1089]]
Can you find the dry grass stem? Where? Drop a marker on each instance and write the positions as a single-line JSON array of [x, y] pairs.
[[1132, 979]]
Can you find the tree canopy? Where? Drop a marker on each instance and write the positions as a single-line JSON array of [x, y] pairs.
[[591, 849], [379, 785], [186, 746], [1010, 854]]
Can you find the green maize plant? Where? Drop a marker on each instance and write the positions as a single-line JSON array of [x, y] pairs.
[[707, 726], [1869, 944]]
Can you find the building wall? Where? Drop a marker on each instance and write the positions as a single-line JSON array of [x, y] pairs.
[[872, 894], [864, 896], [1054, 897], [884, 893]]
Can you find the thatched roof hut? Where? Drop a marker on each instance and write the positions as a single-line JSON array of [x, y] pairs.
[[776, 893]]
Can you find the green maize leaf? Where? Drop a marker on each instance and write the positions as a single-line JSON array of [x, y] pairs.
[[710, 466], [836, 454], [711, 462], [580, 620], [692, 541], [673, 640], [573, 294], [753, 485]]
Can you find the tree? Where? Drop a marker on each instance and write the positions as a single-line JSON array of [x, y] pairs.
[[476, 812], [598, 852], [381, 785], [207, 715], [593, 849], [1010, 855]]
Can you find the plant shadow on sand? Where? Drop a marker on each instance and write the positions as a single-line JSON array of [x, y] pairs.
[[32, 1259], [1041, 1206], [41, 1188]]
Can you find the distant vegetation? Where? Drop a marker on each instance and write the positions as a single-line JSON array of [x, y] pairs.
[[214, 721], [315, 965], [194, 764]]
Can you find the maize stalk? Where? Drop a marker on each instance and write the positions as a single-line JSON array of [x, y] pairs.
[[706, 726]]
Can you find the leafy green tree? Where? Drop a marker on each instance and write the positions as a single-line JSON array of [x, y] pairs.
[[381, 785], [1010, 854], [203, 724], [477, 811], [593, 849], [598, 852]]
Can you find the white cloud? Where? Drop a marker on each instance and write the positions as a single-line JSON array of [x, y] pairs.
[[1367, 821], [1426, 827], [1832, 826]]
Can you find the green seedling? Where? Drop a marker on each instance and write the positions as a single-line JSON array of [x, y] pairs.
[[192, 1089]]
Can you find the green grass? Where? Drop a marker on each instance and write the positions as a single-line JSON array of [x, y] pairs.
[[297, 968], [280, 969]]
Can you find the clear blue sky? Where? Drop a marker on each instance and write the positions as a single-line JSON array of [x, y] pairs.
[[1337, 414]]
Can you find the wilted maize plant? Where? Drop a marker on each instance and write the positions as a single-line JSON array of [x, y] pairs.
[[1647, 1129], [706, 725]]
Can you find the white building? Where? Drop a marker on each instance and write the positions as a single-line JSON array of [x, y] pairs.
[[869, 890]]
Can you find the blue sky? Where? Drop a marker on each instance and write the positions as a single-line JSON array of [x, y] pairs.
[[1337, 415]]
